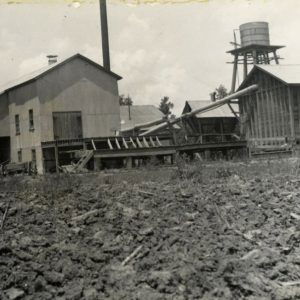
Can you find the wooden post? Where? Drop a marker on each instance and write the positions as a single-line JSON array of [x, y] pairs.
[[56, 158], [268, 58], [172, 156], [254, 53], [235, 65], [245, 66], [275, 57], [129, 162], [97, 164]]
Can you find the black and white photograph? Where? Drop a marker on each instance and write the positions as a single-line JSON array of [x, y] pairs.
[[149, 149]]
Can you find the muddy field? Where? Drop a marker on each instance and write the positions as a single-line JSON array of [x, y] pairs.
[[227, 231]]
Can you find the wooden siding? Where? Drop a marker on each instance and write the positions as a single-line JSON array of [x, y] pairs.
[[75, 86], [295, 94], [266, 117], [4, 116], [79, 86], [21, 100]]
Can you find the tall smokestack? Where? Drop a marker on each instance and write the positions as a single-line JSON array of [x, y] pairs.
[[104, 33]]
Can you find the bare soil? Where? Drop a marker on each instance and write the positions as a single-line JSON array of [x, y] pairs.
[[225, 231]]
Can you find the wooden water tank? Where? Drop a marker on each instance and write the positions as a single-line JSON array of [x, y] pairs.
[[255, 33]]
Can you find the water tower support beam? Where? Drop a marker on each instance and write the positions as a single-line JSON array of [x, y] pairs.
[[275, 57], [235, 65], [245, 66], [254, 54]]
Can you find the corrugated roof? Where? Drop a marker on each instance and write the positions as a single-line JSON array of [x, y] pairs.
[[42, 71], [219, 112], [287, 73], [139, 114]]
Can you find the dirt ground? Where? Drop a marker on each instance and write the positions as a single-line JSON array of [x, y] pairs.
[[220, 231]]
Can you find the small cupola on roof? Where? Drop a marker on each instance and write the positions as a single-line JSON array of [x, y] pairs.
[[52, 59]]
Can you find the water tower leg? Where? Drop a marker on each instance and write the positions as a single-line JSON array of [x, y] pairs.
[[268, 59], [245, 66], [235, 65], [254, 54], [275, 57]]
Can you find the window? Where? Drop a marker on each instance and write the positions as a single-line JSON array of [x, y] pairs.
[[17, 122], [20, 155], [31, 122], [33, 155]]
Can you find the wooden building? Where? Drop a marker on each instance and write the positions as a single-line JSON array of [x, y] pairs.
[[69, 100], [217, 125], [270, 116], [138, 114]]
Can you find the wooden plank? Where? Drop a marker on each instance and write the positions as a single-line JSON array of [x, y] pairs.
[[117, 143], [93, 144], [158, 141], [295, 97], [152, 142], [282, 111], [272, 110], [278, 111], [250, 116], [135, 154], [259, 116], [291, 112], [124, 143], [132, 142], [139, 143], [109, 144], [269, 116], [145, 142], [255, 117], [287, 111], [235, 65]]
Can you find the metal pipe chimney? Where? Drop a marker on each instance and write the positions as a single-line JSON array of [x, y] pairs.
[[104, 33], [52, 59]]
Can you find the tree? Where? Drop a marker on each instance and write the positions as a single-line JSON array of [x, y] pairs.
[[221, 92], [125, 100], [165, 106]]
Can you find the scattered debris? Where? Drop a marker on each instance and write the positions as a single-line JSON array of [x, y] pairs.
[[131, 256], [5, 215], [157, 238]]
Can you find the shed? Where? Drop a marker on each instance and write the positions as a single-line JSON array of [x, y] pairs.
[[270, 116], [217, 125]]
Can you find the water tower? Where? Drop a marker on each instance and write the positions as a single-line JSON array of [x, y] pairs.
[[254, 48]]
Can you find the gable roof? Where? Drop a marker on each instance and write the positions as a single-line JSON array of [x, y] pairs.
[[288, 74], [139, 114], [43, 71], [219, 112]]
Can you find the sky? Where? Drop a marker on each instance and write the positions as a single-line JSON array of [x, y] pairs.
[[175, 50]]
